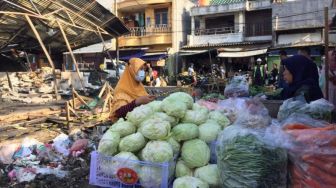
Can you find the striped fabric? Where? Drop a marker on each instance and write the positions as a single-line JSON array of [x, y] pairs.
[[221, 2]]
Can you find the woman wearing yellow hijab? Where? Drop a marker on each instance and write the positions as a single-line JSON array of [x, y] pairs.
[[129, 92]]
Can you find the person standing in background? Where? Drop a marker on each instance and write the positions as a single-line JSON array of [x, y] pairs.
[[191, 70], [274, 74], [258, 74], [332, 77], [149, 75]]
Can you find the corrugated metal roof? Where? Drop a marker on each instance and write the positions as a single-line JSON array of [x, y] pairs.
[[80, 19]]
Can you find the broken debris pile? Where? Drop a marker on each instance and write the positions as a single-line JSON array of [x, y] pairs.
[[62, 162], [28, 87]]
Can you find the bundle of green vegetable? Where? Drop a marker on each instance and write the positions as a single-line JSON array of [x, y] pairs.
[[244, 160], [157, 132], [213, 97]]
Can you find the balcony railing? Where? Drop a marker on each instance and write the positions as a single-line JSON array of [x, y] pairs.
[[217, 31], [149, 30]]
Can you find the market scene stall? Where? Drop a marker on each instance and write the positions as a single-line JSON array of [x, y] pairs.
[[115, 94]]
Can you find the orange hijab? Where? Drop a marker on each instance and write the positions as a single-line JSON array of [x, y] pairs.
[[128, 89]]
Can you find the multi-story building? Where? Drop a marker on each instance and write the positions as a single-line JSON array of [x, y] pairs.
[[158, 27], [297, 24], [231, 32]]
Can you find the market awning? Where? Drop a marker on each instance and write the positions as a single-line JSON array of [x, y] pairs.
[[191, 52], [242, 54], [134, 55], [154, 57]]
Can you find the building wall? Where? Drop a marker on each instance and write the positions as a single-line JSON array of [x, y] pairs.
[[282, 11]]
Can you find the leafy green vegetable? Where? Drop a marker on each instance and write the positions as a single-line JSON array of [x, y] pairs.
[[245, 161], [124, 128]]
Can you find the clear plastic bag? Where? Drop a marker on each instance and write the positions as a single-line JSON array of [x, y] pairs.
[[254, 115], [320, 109], [238, 87], [297, 118], [232, 107], [246, 159], [312, 155]]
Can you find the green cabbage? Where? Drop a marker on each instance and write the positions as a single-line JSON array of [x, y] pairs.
[[175, 145], [124, 128], [195, 153], [182, 169], [173, 121], [197, 107], [155, 105], [221, 119], [150, 176], [125, 159], [155, 129], [132, 143], [139, 114], [174, 108], [208, 131], [185, 131], [157, 152], [181, 97], [108, 145], [208, 174], [189, 182], [196, 117]]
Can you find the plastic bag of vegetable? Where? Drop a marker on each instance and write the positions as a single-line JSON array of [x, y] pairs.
[[237, 87], [195, 153], [139, 114], [124, 128], [232, 107], [245, 160], [208, 174], [108, 145], [297, 118], [255, 115], [196, 117], [312, 155], [189, 182], [185, 131], [155, 129], [320, 109]]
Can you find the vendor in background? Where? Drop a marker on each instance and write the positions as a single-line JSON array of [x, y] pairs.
[[156, 81], [129, 92], [258, 73], [191, 70], [300, 76], [222, 72], [149, 75], [274, 74], [283, 56]]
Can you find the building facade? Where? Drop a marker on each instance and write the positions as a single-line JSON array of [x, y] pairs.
[[298, 24], [158, 27], [235, 33]]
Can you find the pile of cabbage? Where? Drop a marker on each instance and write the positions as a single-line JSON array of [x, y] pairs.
[[174, 129]]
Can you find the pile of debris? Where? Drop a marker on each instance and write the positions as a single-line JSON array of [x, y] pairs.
[[62, 162], [27, 87]]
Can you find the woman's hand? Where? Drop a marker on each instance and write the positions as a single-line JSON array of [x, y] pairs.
[[144, 99]]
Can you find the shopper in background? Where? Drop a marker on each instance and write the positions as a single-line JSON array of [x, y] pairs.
[[274, 74], [149, 75], [258, 75], [300, 77]]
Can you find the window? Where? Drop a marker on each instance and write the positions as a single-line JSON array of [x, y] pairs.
[[161, 16]]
